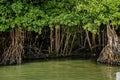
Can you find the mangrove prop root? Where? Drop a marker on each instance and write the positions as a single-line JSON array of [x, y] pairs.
[[13, 53], [111, 52]]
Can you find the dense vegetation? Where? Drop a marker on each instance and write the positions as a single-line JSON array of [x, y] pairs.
[[57, 28]]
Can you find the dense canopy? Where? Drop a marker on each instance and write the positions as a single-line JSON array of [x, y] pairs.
[[35, 14]]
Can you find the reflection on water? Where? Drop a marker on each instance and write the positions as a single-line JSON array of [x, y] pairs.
[[109, 71], [59, 70]]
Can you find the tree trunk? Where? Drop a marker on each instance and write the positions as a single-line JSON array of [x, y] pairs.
[[111, 52], [57, 39], [13, 53]]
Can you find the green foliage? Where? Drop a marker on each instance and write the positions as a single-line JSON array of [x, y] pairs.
[[97, 12], [35, 14]]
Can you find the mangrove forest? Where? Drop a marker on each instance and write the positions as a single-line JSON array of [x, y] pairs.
[[48, 29]]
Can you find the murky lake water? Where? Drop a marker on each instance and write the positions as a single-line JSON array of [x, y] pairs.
[[59, 70]]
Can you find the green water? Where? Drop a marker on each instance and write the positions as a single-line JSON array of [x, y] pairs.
[[59, 70]]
